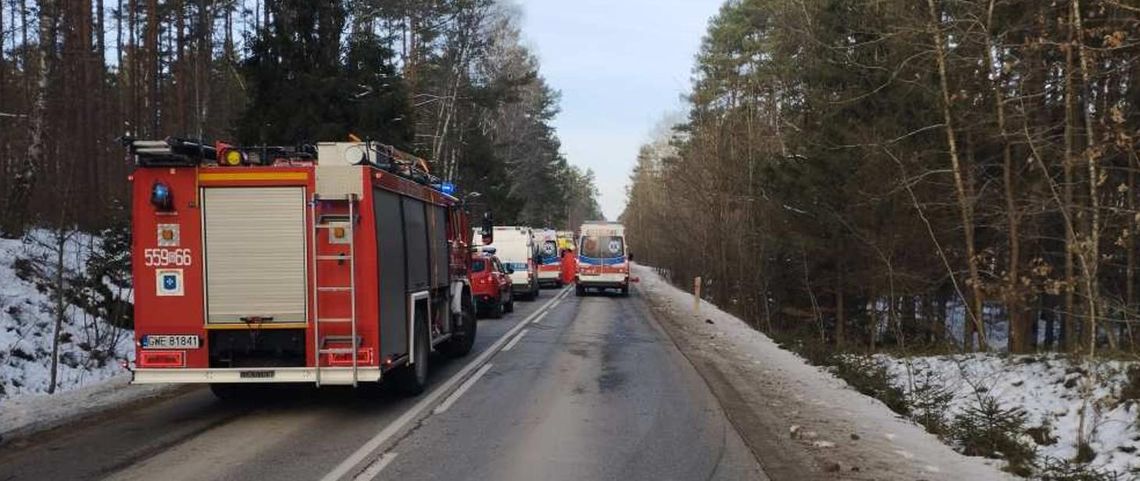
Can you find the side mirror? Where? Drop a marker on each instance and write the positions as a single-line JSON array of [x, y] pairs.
[[487, 230], [629, 257]]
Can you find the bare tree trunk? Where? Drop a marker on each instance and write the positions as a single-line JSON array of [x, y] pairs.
[[61, 237], [1130, 255], [811, 296], [1018, 327], [3, 80], [965, 206], [1092, 251], [840, 308], [907, 317], [152, 55], [1069, 334], [23, 182], [939, 319]]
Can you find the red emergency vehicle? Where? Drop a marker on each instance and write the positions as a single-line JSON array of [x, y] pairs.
[[340, 263], [491, 284]]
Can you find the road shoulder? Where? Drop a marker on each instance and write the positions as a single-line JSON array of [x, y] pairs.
[[800, 421], [32, 414]]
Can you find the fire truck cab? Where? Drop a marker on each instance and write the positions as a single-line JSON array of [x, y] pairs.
[[339, 264]]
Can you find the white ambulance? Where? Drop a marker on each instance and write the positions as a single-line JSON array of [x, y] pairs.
[[603, 262], [549, 258]]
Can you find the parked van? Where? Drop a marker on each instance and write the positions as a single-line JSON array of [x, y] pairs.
[[515, 247], [603, 262]]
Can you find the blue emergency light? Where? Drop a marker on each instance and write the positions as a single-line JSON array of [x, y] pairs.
[[161, 197], [447, 188]]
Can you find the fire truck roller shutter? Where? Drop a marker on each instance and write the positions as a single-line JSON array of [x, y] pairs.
[[393, 293], [254, 241], [416, 244], [440, 262]]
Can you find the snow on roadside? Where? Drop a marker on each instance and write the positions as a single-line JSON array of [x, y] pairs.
[[26, 325], [37, 412], [1048, 388], [844, 424]]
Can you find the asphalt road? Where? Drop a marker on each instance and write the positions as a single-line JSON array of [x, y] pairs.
[[565, 388]]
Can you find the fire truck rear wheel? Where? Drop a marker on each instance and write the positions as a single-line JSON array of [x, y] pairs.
[[411, 379], [464, 338]]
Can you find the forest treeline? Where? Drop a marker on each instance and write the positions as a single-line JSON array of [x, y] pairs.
[[449, 80], [908, 173]]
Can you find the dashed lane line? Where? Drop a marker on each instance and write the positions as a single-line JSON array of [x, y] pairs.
[[515, 340], [446, 404], [407, 421], [374, 469]]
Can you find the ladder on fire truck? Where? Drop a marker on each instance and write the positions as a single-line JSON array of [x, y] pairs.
[[321, 347]]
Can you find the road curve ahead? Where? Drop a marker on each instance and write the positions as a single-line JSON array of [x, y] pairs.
[[566, 388]]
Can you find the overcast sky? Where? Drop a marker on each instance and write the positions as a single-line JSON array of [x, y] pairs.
[[621, 66]]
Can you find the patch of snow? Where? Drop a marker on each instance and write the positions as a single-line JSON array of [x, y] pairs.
[[27, 325], [1049, 389], [37, 412], [787, 377]]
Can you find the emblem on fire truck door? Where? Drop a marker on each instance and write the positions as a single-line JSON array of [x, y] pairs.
[[168, 235], [168, 282]]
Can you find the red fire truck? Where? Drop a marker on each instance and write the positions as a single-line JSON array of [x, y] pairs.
[[335, 264]]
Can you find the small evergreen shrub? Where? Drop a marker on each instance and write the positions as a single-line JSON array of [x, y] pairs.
[[988, 429]]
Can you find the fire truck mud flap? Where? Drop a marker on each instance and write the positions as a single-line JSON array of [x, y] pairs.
[[457, 297]]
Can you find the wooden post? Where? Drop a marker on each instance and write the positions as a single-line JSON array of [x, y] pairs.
[[697, 294]]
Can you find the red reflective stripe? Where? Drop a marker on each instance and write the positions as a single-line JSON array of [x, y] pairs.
[[363, 356], [162, 359]]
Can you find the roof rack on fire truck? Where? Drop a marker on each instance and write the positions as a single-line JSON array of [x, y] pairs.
[[179, 152], [391, 159]]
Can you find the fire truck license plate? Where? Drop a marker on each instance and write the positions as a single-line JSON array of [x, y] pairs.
[[170, 342]]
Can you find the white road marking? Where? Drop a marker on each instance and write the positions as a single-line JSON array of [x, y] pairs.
[[541, 315], [375, 468], [466, 385], [406, 421], [515, 340]]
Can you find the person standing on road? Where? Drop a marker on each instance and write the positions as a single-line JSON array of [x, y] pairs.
[[569, 265]]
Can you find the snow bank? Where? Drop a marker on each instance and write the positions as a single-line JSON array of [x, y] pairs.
[[27, 322], [857, 435], [1049, 389], [37, 412]]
